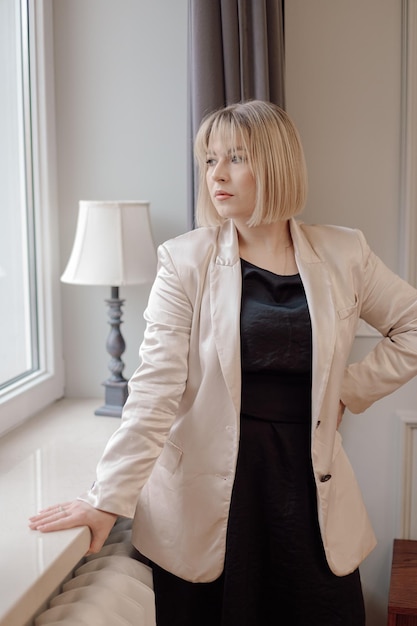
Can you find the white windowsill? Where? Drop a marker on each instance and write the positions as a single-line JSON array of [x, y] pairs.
[[51, 458]]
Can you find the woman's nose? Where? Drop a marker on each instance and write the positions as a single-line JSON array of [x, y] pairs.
[[219, 172]]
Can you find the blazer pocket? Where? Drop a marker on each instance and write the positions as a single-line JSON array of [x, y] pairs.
[[170, 456], [349, 310]]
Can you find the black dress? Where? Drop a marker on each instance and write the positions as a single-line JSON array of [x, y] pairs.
[[275, 570]]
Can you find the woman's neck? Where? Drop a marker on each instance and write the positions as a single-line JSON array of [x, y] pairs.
[[268, 246]]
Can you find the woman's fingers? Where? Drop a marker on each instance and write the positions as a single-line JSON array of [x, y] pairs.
[[53, 515], [75, 514], [99, 535]]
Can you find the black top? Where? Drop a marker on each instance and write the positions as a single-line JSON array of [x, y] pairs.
[[275, 345]]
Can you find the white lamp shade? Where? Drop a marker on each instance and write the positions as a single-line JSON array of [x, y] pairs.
[[113, 245]]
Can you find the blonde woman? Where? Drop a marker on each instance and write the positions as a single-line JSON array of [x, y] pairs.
[[228, 455]]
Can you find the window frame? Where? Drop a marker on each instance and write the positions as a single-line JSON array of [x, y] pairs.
[[25, 397]]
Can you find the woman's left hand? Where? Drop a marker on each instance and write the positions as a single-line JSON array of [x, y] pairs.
[[75, 514]]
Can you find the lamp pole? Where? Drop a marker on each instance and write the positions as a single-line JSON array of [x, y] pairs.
[[116, 390]]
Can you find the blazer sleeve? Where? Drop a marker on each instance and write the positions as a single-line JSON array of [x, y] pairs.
[[155, 391], [389, 304]]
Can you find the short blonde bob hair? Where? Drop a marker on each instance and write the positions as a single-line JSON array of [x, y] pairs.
[[275, 156]]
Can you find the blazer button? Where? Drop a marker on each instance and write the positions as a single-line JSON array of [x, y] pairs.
[[325, 478]]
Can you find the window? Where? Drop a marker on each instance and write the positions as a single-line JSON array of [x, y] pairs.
[[30, 364], [19, 350]]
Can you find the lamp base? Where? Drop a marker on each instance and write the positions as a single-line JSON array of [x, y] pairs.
[[115, 397]]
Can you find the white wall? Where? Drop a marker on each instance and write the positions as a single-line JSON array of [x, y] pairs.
[[343, 78], [121, 105], [343, 63]]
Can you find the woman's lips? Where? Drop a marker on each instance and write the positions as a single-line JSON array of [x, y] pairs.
[[222, 195]]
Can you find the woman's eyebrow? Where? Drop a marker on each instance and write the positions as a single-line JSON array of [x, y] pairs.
[[229, 151]]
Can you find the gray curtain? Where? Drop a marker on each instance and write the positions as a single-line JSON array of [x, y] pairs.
[[236, 52]]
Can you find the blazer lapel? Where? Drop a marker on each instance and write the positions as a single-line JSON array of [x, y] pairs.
[[317, 285], [225, 297]]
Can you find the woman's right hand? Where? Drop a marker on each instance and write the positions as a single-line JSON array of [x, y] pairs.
[[74, 514]]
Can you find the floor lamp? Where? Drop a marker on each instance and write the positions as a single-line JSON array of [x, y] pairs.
[[113, 246]]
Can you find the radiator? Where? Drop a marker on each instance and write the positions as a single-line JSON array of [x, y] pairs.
[[111, 588]]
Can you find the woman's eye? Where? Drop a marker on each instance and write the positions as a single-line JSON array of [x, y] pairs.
[[210, 162], [238, 158]]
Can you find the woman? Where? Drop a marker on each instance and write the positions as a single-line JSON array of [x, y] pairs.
[[228, 455]]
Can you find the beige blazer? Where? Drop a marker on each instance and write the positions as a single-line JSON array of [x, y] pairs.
[[171, 463]]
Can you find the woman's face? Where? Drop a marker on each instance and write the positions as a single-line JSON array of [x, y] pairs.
[[230, 181]]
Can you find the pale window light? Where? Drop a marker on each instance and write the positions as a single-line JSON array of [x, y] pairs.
[[31, 374]]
